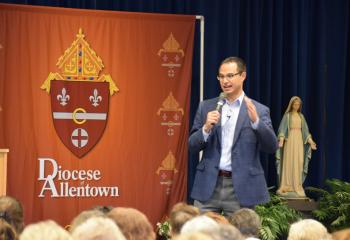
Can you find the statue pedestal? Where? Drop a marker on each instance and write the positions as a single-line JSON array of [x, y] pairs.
[[303, 205]]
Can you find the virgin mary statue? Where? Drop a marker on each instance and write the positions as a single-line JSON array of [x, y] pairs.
[[294, 153]]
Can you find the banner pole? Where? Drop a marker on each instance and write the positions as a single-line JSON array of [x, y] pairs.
[[201, 68]]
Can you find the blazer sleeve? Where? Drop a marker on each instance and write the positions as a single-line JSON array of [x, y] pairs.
[[266, 135], [196, 140]]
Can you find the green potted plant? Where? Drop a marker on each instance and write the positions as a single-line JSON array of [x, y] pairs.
[[334, 204], [163, 230], [276, 218], [275, 215]]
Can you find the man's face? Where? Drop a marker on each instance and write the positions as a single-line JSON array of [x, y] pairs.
[[231, 80]]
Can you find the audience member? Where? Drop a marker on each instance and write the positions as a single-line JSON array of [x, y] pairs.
[[83, 216], [103, 209], [217, 217], [225, 232], [97, 228], [193, 236], [45, 230], [342, 234], [7, 232], [308, 229], [12, 212], [199, 224], [180, 214], [133, 223], [247, 221]]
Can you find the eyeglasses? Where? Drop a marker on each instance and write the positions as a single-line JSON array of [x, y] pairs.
[[229, 76]]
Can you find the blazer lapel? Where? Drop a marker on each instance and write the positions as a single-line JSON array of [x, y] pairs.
[[242, 116], [218, 129]]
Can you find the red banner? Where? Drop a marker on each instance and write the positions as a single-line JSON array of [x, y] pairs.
[[94, 109]]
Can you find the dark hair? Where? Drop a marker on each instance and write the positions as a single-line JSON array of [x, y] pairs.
[[241, 66], [7, 232], [11, 211], [103, 209]]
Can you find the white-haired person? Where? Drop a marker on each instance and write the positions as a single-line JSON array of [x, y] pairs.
[[83, 216], [198, 224], [208, 226], [192, 236], [308, 229], [44, 230], [225, 232], [98, 228]]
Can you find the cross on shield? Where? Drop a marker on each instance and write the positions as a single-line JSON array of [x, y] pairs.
[[79, 111]]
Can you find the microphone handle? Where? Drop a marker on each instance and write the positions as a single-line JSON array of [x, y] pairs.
[[218, 108]]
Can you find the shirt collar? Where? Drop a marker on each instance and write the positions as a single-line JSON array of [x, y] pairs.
[[238, 101]]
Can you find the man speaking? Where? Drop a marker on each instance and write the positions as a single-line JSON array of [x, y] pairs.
[[231, 130]]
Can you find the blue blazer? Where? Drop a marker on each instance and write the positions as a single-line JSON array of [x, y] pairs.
[[247, 173]]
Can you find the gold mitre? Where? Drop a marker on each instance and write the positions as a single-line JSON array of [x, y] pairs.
[[168, 163], [171, 45], [170, 104], [80, 63]]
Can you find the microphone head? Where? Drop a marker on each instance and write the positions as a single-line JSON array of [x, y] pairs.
[[222, 96], [220, 102]]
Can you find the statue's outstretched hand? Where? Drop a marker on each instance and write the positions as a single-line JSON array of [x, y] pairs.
[[312, 144], [280, 142]]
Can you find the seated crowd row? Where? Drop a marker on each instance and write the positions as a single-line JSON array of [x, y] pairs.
[[187, 223]]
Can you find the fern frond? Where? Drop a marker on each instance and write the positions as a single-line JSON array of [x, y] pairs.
[[334, 205], [266, 234]]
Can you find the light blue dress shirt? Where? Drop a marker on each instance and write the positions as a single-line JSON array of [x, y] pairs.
[[229, 116]]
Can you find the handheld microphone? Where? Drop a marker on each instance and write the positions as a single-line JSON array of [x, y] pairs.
[[221, 101]]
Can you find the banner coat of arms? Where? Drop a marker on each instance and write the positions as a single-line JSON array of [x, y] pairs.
[[79, 97]]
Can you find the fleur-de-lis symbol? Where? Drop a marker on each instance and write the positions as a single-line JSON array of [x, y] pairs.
[[64, 98], [95, 98]]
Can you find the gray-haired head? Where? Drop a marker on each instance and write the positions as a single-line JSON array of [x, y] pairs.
[[98, 228], [199, 224]]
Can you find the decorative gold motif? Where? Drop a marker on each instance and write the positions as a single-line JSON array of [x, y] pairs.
[[78, 110], [170, 104], [168, 163], [171, 45], [80, 63]]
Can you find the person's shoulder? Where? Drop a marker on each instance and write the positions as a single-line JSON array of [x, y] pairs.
[[210, 101], [302, 116], [207, 105], [259, 105]]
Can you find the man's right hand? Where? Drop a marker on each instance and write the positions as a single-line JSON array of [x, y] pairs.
[[213, 118]]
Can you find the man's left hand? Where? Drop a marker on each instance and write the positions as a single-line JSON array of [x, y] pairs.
[[252, 113]]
